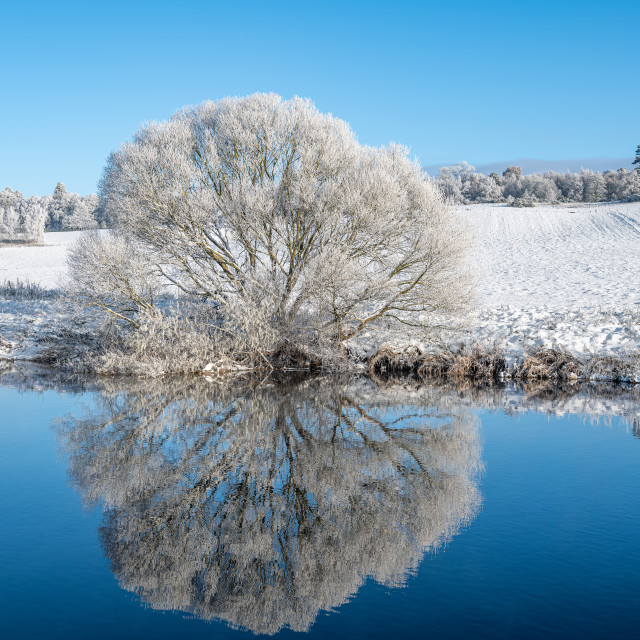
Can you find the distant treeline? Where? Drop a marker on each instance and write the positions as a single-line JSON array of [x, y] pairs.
[[26, 219], [462, 185]]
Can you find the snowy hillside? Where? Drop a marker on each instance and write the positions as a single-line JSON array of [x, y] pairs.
[[568, 275], [570, 256]]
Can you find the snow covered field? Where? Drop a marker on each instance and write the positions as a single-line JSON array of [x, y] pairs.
[[559, 257], [26, 326], [40, 264], [565, 275]]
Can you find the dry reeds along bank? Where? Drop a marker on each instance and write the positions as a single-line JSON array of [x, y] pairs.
[[464, 362], [476, 362]]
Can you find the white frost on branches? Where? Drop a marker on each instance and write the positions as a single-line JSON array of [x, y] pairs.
[[21, 219], [26, 219], [259, 201], [460, 184]]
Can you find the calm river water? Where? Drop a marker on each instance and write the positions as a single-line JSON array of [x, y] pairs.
[[324, 507]]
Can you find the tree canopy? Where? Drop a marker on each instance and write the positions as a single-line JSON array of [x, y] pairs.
[[265, 203]]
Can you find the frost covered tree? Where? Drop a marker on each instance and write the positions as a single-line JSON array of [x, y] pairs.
[[594, 188], [528, 189], [512, 183], [261, 203], [452, 179], [77, 213], [56, 209], [460, 184], [60, 191], [459, 172], [69, 211], [480, 188], [9, 220], [513, 173], [23, 221], [569, 184], [9, 197], [9, 214], [538, 188], [33, 216], [621, 184]]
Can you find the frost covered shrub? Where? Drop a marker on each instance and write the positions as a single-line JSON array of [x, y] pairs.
[[273, 214], [467, 361], [460, 184], [161, 345], [110, 272], [520, 202], [21, 220], [25, 290]]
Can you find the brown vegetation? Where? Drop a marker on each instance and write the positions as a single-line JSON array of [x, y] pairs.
[[547, 363], [466, 361], [488, 364]]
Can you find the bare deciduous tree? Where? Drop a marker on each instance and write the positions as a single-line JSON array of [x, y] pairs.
[[261, 200]]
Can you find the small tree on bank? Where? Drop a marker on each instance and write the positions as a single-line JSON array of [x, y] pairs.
[[268, 207]]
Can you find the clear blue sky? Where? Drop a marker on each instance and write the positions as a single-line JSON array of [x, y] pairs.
[[475, 81]]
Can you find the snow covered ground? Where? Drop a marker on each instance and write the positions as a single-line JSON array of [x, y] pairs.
[[559, 257], [565, 275], [40, 264], [27, 326]]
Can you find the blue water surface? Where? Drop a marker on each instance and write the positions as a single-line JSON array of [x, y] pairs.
[[553, 549]]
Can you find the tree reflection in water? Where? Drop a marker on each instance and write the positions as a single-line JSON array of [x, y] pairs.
[[263, 505]]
